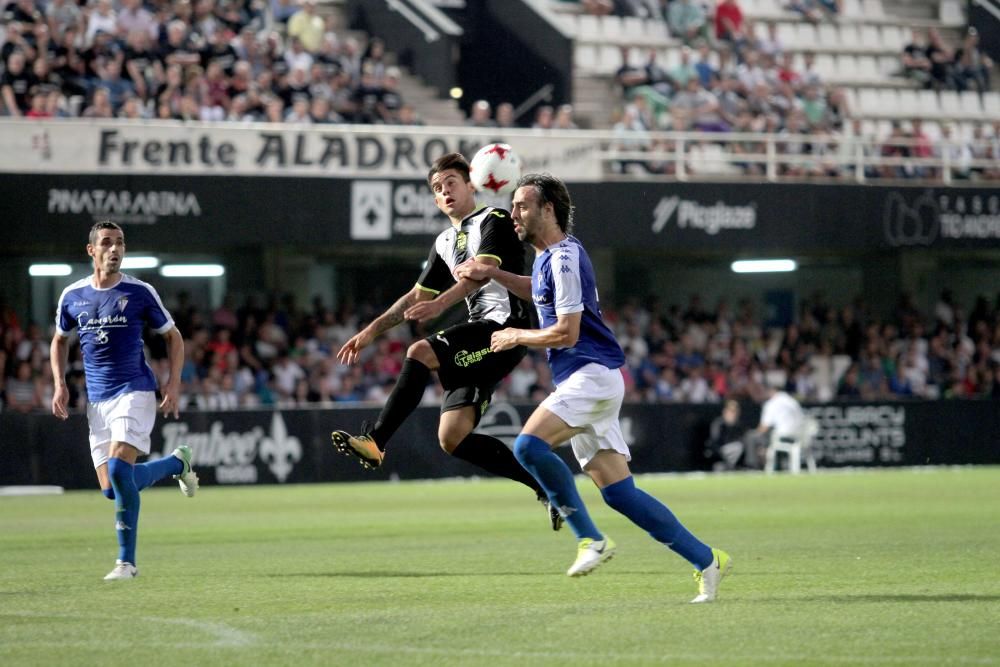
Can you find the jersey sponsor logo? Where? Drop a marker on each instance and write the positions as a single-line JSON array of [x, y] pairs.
[[88, 323], [464, 358]]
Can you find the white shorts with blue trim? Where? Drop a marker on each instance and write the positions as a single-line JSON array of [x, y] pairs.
[[591, 399], [125, 418]]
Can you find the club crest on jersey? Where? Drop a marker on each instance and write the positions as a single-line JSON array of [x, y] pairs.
[[121, 303], [460, 241]]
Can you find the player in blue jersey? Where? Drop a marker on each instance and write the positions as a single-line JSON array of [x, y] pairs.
[[110, 310], [585, 358]]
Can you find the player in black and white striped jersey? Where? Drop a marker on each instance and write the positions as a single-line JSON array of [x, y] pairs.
[[461, 354]]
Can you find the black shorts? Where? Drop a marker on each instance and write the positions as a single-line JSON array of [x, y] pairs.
[[469, 370]]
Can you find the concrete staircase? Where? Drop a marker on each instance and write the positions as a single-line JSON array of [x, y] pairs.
[[430, 107]]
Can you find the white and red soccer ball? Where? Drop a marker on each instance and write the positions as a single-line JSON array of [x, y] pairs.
[[495, 168]]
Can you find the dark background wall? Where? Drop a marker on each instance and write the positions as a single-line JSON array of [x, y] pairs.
[[291, 446]]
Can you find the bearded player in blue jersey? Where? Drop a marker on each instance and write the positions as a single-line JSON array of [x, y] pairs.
[[110, 310], [584, 408]]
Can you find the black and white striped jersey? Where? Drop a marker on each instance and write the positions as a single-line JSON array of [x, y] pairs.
[[486, 232]]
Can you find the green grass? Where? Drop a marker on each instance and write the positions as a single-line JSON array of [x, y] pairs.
[[883, 567]]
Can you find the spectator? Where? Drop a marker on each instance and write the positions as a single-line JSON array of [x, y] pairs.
[[131, 109], [15, 85], [916, 64], [308, 26], [940, 58], [101, 16], [366, 97], [100, 105], [62, 15], [564, 118], [111, 80], [505, 115], [296, 57], [179, 49], [729, 24], [219, 51], [706, 71], [22, 391], [133, 17], [141, 65], [972, 66], [781, 417], [282, 10], [479, 115], [684, 70], [544, 117], [687, 20], [956, 151], [725, 447]]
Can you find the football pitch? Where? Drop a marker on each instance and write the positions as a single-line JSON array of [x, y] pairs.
[[866, 567]]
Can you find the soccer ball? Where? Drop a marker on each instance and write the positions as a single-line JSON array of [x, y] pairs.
[[495, 168]]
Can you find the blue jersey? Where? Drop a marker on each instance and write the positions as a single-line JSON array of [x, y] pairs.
[[111, 322], [563, 282]]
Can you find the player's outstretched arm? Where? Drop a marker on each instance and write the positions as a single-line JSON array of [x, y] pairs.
[[58, 359], [351, 350], [172, 389], [564, 333], [463, 287], [478, 269]]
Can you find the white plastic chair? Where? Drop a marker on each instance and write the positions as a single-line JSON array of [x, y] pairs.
[[795, 448]]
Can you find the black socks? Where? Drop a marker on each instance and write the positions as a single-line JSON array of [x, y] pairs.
[[493, 456], [403, 400]]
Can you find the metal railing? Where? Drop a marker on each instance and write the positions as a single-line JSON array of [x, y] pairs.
[[688, 156]]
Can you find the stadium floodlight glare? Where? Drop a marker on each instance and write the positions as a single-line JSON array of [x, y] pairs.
[[37, 270], [140, 262], [192, 270], [764, 266]]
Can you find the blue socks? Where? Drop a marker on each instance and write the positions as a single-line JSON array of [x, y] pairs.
[[557, 480], [126, 507], [151, 472], [654, 517], [148, 474]]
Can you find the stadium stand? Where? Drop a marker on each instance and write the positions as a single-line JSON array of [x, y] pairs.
[[237, 61], [679, 352]]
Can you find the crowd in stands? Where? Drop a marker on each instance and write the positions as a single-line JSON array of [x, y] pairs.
[[280, 355], [930, 62], [209, 60], [732, 77]]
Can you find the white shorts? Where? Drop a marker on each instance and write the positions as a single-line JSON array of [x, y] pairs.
[[591, 398], [126, 418]]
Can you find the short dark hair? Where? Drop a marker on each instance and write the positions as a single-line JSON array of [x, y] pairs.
[[551, 189], [448, 161], [98, 226]]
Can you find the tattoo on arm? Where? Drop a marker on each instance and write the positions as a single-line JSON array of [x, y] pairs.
[[394, 315]]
